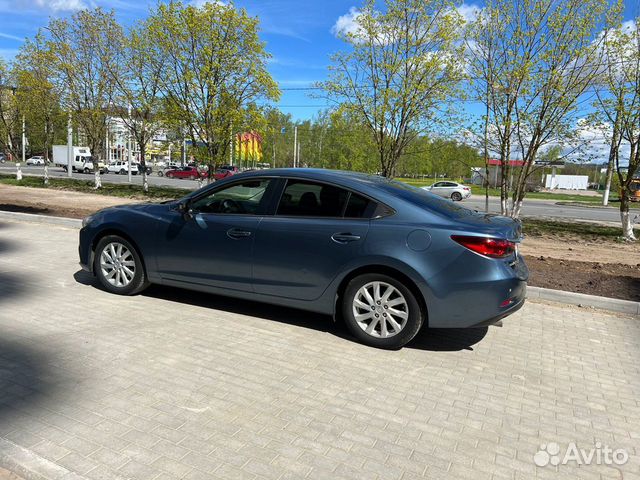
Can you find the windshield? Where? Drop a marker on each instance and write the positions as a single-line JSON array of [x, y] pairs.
[[424, 199]]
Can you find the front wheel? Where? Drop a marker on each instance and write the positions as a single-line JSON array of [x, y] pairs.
[[118, 266], [160, 174], [381, 311], [456, 196]]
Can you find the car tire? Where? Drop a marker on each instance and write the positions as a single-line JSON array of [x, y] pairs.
[[456, 196], [86, 170], [131, 277], [122, 171], [400, 296], [160, 174], [192, 177]]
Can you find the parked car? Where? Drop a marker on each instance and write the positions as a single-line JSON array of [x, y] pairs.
[[2, 158], [122, 168], [162, 172], [192, 173], [385, 257], [454, 191], [222, 173], [35, 160], [231, 168]]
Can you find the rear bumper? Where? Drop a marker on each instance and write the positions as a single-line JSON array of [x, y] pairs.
[[492, 321], [481, 300]]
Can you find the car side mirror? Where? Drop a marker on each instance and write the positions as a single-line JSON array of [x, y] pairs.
[[185, 210]]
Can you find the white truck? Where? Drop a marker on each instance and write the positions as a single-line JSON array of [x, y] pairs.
[[82, 160]]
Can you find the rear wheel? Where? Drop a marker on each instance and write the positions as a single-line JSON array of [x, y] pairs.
[[118, 266], [192, 177], [456, 196], [86, 170], [381, 311]]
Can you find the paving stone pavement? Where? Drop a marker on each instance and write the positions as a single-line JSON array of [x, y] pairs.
[[179, 385]]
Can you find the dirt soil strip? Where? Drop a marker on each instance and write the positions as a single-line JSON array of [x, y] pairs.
[[613, 280], [558, 263], [58, 203]]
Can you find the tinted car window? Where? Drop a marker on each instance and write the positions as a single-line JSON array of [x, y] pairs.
[[240, 198], [357, 206], [424, 199], [310, 199]]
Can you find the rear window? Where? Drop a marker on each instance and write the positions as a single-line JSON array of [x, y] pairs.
[[424, 199]]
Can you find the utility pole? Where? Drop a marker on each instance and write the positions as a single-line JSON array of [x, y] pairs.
[[231, 146], [130, 142], [24, 138], [69, 147], [295, 146]]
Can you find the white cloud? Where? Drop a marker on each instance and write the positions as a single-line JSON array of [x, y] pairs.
[[469, 11], [11, 37], [347, 24], [61, 5], [201, 3], [51, 5]]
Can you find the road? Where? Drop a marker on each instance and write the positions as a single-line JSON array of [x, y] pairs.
[[171, 384], [531, 208]]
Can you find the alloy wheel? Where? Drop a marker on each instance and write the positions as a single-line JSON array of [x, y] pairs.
[[117, 264], [380, 309]]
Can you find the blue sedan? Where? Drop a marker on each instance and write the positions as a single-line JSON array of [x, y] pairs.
[[384, 257]]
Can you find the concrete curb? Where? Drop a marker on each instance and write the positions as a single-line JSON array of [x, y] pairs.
[[44, 219], [605, 303], [29, 465]]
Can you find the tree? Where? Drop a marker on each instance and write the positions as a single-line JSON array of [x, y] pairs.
[[136, 70], [10, 118], [619, 105], [401, 66], [534, 59], [83, 47], [215, 71], [38, 97]]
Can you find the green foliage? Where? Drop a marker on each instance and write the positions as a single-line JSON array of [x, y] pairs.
[[400, 68], [214, 71], [83, 47]]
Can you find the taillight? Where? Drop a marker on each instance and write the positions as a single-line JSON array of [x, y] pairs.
[[489, 247], [466, 189]]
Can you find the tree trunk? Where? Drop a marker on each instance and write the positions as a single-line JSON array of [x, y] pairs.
[[143, 164], [627, 226]]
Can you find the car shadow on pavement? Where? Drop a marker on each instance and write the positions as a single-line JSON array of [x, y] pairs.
[[440, 339], [448, 339]]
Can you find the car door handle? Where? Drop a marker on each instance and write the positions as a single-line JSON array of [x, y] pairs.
[[344, 237], [237, 234]]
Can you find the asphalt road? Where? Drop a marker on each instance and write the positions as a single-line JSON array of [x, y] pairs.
[[531, 208]]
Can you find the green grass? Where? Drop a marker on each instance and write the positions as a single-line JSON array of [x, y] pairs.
[[87, 186], [585, 231]]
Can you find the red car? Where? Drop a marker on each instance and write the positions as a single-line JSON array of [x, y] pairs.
[[192, 173], [223, 173]]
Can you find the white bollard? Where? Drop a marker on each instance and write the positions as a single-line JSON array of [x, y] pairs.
[[97, 179], [46, 174], [18, 172]]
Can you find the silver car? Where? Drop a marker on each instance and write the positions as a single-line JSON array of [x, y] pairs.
[[454, 191]]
